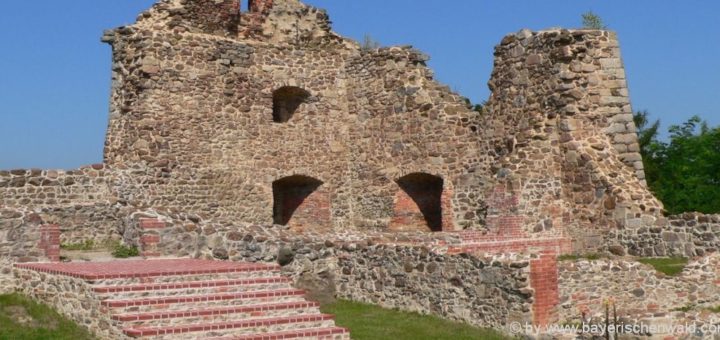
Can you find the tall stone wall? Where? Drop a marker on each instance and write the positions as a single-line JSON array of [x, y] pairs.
[[231, 115], [203, 111], [560, 107]]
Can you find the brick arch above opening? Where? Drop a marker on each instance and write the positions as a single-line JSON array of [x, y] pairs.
[[422, 203], [301, 203]]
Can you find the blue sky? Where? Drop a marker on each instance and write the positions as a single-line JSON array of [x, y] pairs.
[[55, 73]]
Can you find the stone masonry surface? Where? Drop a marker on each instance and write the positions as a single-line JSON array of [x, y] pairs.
[[262, 135], [267, 116]]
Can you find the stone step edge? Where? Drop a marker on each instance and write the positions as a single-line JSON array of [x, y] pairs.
[[304, 333], [187, 285], [200, 327], [200, 298], [95, 277], [149, 316]]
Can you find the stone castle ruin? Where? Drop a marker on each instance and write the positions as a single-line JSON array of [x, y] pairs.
[[245, 135]]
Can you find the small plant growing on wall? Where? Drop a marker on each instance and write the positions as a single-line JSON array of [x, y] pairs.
[[122, 251], [592, 21]]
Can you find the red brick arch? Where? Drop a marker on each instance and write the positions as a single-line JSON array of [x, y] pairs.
[[422, 203], [301, 203]]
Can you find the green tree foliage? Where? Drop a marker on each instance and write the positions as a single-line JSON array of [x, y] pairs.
[[685, 171], [650, 148], [592, 21]]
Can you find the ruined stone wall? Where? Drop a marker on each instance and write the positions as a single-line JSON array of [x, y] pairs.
[[199, 108], [638, 291], [82, 202], [686, 235], [24, 237], [50, 188], [560, 107]]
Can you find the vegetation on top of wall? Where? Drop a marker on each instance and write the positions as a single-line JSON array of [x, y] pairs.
[[684, 172], [668, 265], [372, 322], [576, 257], [122, 251], [87, 245], [22, 318], [592, 21], [369, 43]]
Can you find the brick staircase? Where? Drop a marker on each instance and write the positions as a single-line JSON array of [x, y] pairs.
[[192, 299]]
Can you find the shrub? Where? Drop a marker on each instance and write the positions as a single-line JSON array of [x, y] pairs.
[[123, 251], [87, 245]]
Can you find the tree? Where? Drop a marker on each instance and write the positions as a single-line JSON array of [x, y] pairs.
[[592, 21], [688, 168], [684, 173], [650, 147]]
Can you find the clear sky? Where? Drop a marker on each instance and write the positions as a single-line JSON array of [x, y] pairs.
[[55, 73]]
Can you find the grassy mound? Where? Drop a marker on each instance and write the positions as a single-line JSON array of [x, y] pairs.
[[668, 265], [24, 319], [375, 323]]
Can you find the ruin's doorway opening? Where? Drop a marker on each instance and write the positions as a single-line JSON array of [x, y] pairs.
[[286, 101], [419, 203], [292, 193]]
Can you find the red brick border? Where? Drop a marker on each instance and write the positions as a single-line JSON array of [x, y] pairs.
[[544, 280], [50, 241], [149, 236]]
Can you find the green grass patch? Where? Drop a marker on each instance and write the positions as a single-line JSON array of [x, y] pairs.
[[123, 251], [24, 319], [684, 309], [87, 245], [572, 257], [375, 323], [715, 309], [668, 265]]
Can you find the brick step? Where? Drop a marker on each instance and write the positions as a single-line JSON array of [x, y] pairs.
[[192, 288], [172, 303], [218, 314], [330, 333], [233, 328], [248, 273]]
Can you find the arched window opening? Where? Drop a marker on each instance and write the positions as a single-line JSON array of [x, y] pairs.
[[286, 101], [419, 203], [292, 194]]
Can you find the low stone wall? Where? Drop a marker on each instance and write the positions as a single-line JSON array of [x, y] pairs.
[[21, 237], [40, 188], [637, 289], [21, 228], [69, 296], [8, 282], [688, 234], [408, 271]]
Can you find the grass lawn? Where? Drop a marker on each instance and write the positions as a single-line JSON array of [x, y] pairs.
[[24, 319], [375, 323], [667, 265]]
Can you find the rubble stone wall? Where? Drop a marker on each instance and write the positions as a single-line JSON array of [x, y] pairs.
[[688, 235], [410, 271], [637, 289], [205, 108], [52, 188], [560, 111], [71, 297]]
